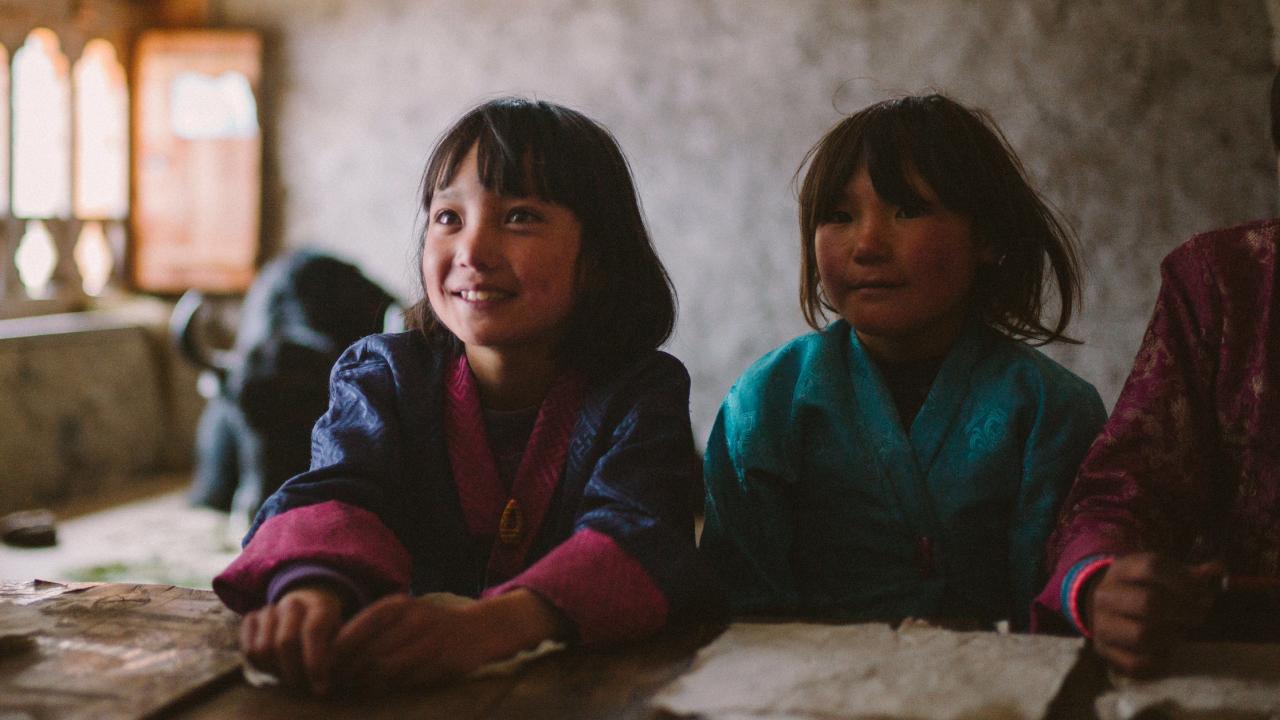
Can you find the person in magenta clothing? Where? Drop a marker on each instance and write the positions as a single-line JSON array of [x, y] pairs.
[[527, 446], [1183, 485], [1182, 488]]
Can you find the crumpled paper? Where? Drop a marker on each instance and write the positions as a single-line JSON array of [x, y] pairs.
[[1204, 681], [808, 672]]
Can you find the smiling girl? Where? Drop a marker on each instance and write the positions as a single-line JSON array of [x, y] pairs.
[[908, 458], [526, 445]]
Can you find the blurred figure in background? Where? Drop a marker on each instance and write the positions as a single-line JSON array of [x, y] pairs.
[[302, 311]]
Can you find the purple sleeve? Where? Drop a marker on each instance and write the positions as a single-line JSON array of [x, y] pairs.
[[354, 596]]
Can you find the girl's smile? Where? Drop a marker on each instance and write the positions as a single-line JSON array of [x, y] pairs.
[[499, 271], [482, 295]]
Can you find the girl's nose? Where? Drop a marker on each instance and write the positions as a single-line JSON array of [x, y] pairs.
[[479, 246], [870, 239]]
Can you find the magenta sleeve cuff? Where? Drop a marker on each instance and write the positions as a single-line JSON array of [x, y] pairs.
[[347, 539], [354, 596], [599, 587]]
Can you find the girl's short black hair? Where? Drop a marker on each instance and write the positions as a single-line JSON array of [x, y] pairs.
[[624, 301], [965, 159]]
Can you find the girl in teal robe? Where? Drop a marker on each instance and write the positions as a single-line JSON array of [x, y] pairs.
[[907, 459]]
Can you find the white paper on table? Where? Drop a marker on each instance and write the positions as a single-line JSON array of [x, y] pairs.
[[1205, 680], [808, 671], [514, 663]]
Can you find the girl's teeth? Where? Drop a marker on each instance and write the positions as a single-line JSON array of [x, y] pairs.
[[480, 295]]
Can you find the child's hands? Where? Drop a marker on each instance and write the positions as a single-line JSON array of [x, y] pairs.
[[293, 639], [403, 641], [1142, 605]]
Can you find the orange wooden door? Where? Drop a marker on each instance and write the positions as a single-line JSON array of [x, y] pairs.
[[197, 160]]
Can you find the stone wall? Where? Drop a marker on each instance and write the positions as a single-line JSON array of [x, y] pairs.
[[1142, 121], [90, 403]]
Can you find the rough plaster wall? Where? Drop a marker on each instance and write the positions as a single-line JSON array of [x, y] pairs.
[[76, 426], [1142, 121]]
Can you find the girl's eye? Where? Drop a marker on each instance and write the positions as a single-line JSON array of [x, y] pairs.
[[908, 212], [837, 217], [447, 217], [522, 215]]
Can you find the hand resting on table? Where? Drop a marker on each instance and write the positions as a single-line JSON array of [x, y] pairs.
[[397, 641]]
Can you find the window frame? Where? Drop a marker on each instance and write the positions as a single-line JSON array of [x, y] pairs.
[[117, 22]]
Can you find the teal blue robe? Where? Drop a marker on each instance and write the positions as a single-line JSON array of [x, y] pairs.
[[820, 504]]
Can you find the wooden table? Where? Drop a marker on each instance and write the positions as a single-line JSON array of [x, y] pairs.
[[127, 651], [124, 651], [109, 651], [564, 685]]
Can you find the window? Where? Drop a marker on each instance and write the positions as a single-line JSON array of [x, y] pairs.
[[67, 234], [4, 138], [72, 143], [197, 160], [41, 128], [41, 104], [102, 134], [101, 197]]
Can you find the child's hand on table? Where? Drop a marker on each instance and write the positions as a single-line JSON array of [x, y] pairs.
[[293, 639], [404, 641], [1142, 605]]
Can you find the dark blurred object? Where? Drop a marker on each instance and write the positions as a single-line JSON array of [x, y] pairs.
[[29, 529], [267, 390], [1245, 609]]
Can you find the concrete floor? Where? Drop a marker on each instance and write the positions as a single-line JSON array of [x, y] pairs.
[[154, 538]]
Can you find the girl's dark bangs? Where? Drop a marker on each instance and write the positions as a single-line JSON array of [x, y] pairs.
[[444, 162], [509, 160], [831, 167], [506, 161], [887, 150]]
